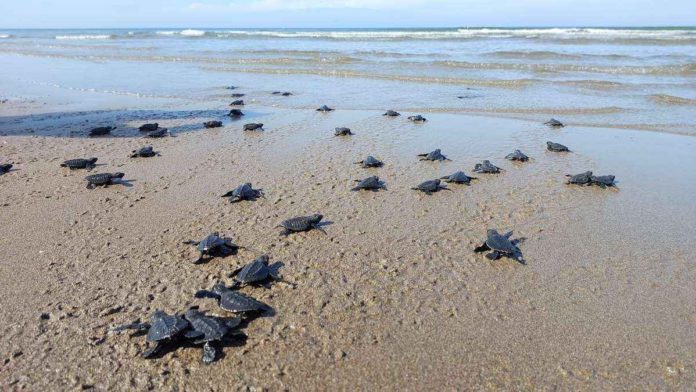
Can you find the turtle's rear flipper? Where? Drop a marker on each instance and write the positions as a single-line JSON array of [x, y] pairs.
[[493, 255], [482, 248], [209, 353], [152, 350]]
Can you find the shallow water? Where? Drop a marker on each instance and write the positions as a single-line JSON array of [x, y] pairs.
[[633, 78]]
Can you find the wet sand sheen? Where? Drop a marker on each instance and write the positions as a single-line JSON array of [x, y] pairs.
[[393, 297]]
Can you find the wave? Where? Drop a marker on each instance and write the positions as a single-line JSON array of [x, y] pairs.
[[184, 33], [83, 36], [5, 36], [583, 33], [676, 69], [672, 100]]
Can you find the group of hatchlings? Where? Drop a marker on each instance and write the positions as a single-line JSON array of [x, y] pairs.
[[195, 327]]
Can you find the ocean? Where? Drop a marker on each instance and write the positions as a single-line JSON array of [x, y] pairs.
[[637, 78]]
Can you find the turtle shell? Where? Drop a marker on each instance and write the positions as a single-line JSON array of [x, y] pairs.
[[207, 328], [164, 326], [458, 178], [371, 161], [500, 243], [255, 271], [233, 301], [429, 186], [211, 242], [301, 223]]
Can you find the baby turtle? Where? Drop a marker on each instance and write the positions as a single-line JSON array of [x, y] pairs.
[[162, 329], [237, 95], [239, 102], [556, 147], [149, 127], [417, 118], [324, 109], [342, 131], [213, 245], [430, 186], [162, 132], [554, 123], [433, 156], [580, 179], [500, 245], [5, 167], [231, 87], [371, 183], [603, 181], [101, 131], [102, 179], [284, 94], [253, 127], [458, 178], [517, 155], [235, 113], [232, 301], [370, 161], [486, 167], [244, 192], [302, 223], [257, 271], [207, 329], [80, 163], [212, 124], [391, 113], [143, 152]]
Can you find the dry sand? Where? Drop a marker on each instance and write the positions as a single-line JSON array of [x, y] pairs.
[[393, 298]]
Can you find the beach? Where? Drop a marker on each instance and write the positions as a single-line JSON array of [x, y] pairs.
[[393, 297]]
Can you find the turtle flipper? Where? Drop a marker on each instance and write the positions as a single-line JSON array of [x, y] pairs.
[[152, 350], [90, 186], [508, 234], [495, 255], [191, 242], [193, 334], [228, 194], [315, 226], [482, 248], [209, 353]]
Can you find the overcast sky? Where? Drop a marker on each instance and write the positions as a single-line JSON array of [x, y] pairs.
[[343, 13]]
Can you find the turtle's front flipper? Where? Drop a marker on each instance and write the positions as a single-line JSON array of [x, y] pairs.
[[320, 229], [209, 353], [482, 248], [152, 350], [137, 326], [206, 294], [191, 242], [495, 255], [228, 194], [518, 256], [508, 234], [193, 334], [90, 186]]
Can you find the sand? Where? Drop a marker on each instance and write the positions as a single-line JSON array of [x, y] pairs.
[[393, 298]]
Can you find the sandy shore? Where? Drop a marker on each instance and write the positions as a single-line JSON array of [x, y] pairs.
[[393, 297]]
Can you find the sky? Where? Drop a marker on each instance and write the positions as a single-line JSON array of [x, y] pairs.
[[342, 13]]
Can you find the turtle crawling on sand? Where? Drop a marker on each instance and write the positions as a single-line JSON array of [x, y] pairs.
[[101, 131], [144, 152], [554, 123], [517, 155], [149, 127], [207, 329], [371, 183], [324, 109], [458, 178], [237, 95], [391, 113], [239, 102], [253, 127], [212, 124], [5, 167], [243, 192], [283, 93], [500, 245], [162, 132], [213, 245], [102, 179], [342, 131], [556, 147], [430, 186], [162, 329], [417, 118], [257, 271], [603, 181], [580, 179], [486, 167], [235, 113], [370, 161], [435, 155], [80, 163], [302, 223], [231, 300]]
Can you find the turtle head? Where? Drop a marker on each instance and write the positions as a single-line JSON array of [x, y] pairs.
[[317, 217], [263, 258], [92, 160], [118, 175], [219, 288], [491, 232]]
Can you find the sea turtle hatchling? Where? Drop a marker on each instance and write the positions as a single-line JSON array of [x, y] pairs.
[[144, 152], [370, 161], [486, 167], [324, 109], [554, 123], [580, 179], [239, 102], [80, 163], [517, 155], [458, 178], [231, 300], [282, 93], [302, 223], [102, 179], [371, 183], [243, 192], [417, 118], [430, 186], [500, 245], [253, 127], [212, 124], [5, 167], [162, 329], [257, 271], [603, 181], [101, 131], [435, 155], [207, 329], [391, 113], [342, 131], [235, 113], [213, 245], [556, 147], [149, 127], [162, 132], [237, 95]]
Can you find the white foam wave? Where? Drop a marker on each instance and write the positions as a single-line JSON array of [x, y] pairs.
[[5, 36], [83, 37]]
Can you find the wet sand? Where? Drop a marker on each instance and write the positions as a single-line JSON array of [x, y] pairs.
[[393, 297]]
